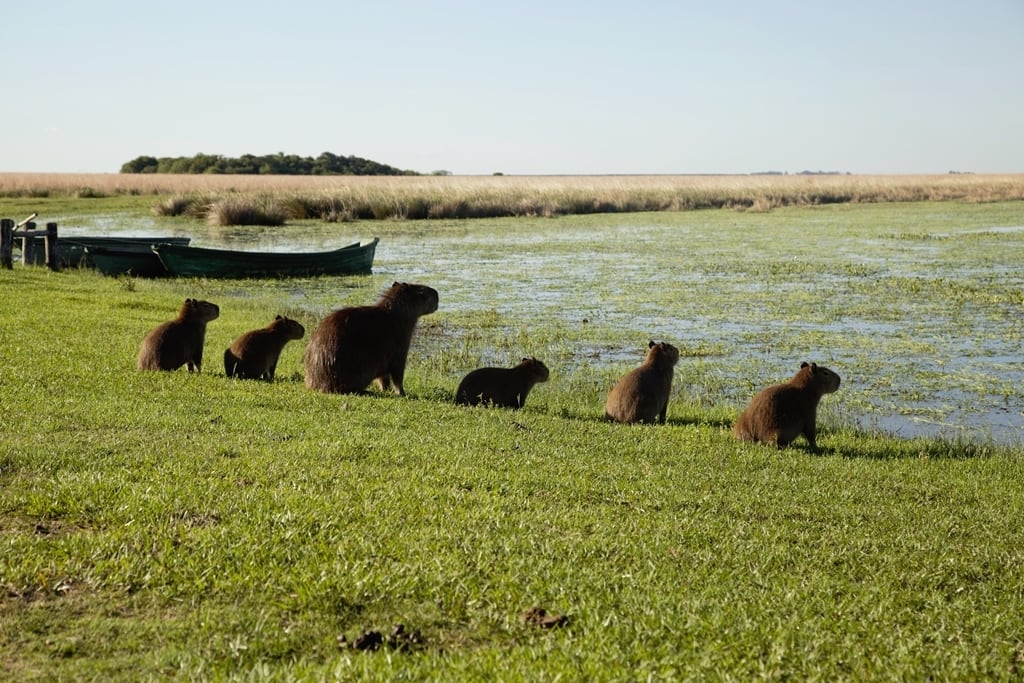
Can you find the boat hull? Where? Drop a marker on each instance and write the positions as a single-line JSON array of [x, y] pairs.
[[71, 250], [111, 261], [186, 261]]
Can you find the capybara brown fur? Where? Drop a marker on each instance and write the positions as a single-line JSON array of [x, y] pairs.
[[354, 346], [642, 394], [254, 354], [780, 413], [179, 342], [501, 387]]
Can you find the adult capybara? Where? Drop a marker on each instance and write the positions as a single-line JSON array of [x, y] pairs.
[[780, 413], [642, 394], [354, 346], [501, 387], [179, 342], [254, 355]]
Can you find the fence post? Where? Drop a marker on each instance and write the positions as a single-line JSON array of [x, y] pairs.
[[6, 243], [50, 245]]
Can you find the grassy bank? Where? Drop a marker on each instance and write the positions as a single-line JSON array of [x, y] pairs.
[[192, 526], [221, 199]]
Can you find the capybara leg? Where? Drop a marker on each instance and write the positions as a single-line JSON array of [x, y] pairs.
[[397, 376], [230, 363], [663, 415]]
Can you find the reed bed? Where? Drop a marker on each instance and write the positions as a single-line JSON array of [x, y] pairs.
[[240, 211], [338, 198]]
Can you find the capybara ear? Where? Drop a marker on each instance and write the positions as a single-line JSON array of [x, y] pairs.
[[651, 344], [814, 368], [803, 365], [527, 360], [278, 317]]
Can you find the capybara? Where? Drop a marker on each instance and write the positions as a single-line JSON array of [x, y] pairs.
[[782, 412], [354, 346], [179, 342], [642, 394], [501, 387], [254, 355]]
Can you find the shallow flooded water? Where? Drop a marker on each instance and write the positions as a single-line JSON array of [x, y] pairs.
[[920, 308], [943, 362]]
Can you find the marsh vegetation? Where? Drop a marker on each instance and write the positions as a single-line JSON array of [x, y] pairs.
[[196, 526], [343, 198]]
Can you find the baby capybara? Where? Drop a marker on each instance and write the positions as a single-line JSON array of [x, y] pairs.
[[501, 387], [254, 355], [780, 413], [354, 346], [642, 394], [180, 341]]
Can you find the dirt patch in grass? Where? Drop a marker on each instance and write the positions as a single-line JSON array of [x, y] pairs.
[[540, 617], [398, 638]]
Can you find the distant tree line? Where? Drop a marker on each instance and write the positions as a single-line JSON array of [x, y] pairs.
[[268, 164]]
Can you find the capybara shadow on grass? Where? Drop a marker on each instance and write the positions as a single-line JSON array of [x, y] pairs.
[[354, 346], [501, 387], [254, 355], [642, 394], [779, 414], [180, 341]]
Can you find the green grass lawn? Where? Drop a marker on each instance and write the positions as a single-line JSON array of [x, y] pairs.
[[167, 525]]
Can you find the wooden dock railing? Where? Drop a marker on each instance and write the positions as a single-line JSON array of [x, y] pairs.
[[26, 232]]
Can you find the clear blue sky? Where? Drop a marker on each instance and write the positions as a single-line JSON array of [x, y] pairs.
[[520, 87]]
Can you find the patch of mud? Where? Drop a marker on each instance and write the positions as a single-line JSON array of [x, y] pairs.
[[541, 618], [399, 639]]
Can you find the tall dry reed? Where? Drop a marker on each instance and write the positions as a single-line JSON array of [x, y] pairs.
[[419, 197]]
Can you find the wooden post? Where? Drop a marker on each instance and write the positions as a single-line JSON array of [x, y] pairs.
[[6, 243], [50, 245]]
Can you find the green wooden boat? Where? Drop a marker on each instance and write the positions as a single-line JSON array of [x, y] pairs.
[[71, 249], [117, 261], [186, 261]]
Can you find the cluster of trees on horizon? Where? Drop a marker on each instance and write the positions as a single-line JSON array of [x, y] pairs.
[[267, 164]]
